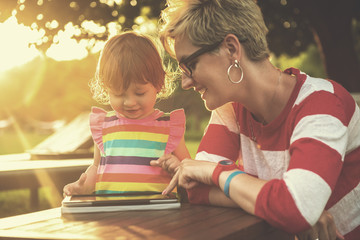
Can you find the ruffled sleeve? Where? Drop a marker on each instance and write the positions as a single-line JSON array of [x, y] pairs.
[[97, 117], [177, 129]]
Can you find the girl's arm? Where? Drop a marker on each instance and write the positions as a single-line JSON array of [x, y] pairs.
[[86, 182], [170, 162], [181, 152]]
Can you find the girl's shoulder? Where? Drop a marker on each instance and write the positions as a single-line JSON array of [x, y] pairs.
[[177, 115]]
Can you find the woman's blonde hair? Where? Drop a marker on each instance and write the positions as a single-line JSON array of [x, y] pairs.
[[206, 22], [126, 58]]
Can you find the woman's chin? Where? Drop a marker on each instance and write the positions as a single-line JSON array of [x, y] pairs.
[[209, 106], [212, 104]]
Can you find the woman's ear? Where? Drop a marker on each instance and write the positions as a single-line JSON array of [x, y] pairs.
[[233, 46]]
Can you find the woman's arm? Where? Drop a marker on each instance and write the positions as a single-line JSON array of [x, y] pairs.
[[243, 188], [243, 192]]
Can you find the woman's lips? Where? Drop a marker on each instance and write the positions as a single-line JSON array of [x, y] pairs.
[[202, 92]]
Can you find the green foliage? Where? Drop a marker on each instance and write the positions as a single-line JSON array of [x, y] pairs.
[[192, 147], [43, 13], [289, 30], [308, 62], [356, 34], [48, 90]]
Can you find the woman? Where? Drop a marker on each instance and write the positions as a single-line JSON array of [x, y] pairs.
[[296, 137]]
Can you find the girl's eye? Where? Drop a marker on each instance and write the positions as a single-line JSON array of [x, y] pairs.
[[140, 94]]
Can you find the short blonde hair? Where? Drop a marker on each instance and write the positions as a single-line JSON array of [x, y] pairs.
[[129, 57], [206, 22]]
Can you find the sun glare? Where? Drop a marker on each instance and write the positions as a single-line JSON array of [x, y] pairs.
[[14, 44], [17, 44], [67, 48]]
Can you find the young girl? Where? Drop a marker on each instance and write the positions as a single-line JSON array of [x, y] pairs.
[[130, 77]]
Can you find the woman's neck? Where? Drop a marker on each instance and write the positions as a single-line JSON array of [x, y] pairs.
[[268, 91]]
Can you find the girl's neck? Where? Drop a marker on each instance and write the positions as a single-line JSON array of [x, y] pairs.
[[153, 114]]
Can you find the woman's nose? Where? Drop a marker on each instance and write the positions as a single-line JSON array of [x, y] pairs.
[[186, 82]]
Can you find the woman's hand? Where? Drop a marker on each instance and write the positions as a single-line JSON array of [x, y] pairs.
[[77, 187], [168, 162], [190, 173], [324, 229]]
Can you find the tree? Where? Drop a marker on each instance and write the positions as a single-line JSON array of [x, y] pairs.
[[327, 22], [298, 22], [54, 15]]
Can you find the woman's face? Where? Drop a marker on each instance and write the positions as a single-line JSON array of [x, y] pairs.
[[208, 73]]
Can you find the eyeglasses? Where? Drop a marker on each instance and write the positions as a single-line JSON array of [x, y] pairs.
[[185, 69]]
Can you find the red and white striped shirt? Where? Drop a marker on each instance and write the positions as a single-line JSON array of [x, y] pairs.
[[310, 154]]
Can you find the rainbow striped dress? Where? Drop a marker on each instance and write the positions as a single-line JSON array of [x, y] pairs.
[[128, 145]]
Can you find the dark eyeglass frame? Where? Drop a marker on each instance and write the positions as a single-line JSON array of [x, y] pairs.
[[185, 69]]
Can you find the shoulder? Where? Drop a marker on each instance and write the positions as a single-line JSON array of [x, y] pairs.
[[227, 115], [323, 96], [176, 115]]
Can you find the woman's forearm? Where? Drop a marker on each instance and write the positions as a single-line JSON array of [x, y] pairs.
[[218, 198], [243, 191]]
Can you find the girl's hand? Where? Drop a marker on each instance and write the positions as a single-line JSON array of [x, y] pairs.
[[168, 162], [324, 229], [77, 187], [190, 173]]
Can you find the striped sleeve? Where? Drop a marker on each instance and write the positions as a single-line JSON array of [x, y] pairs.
[[318, 147], [220, 141]]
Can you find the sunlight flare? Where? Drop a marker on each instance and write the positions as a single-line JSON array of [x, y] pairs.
[[14, 44]]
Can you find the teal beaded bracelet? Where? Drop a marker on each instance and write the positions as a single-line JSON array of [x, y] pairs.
[[228, 180]]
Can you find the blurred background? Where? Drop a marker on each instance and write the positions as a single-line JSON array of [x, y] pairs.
[[49, 51]]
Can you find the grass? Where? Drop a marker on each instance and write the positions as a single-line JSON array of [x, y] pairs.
[[192, 147], [15, 202]]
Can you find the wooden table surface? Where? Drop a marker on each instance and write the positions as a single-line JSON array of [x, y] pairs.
[[188, 222]]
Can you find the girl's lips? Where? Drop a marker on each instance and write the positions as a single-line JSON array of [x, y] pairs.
[[131, 112]]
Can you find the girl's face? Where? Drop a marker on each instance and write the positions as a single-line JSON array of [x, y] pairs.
[[136, 102], [208, 73]]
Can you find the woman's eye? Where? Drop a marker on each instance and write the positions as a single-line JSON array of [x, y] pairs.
[[140, 94], [192, 65]]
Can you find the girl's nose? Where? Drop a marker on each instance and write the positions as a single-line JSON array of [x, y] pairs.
[[129, 101], [186, 82]]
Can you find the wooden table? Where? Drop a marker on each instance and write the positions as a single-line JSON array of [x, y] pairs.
[[189, 222], [18, 171]]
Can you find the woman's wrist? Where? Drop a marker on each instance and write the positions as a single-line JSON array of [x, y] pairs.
[[226, 180], [223, 165]]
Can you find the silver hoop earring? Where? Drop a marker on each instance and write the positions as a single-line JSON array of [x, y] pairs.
[[236, 65]]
